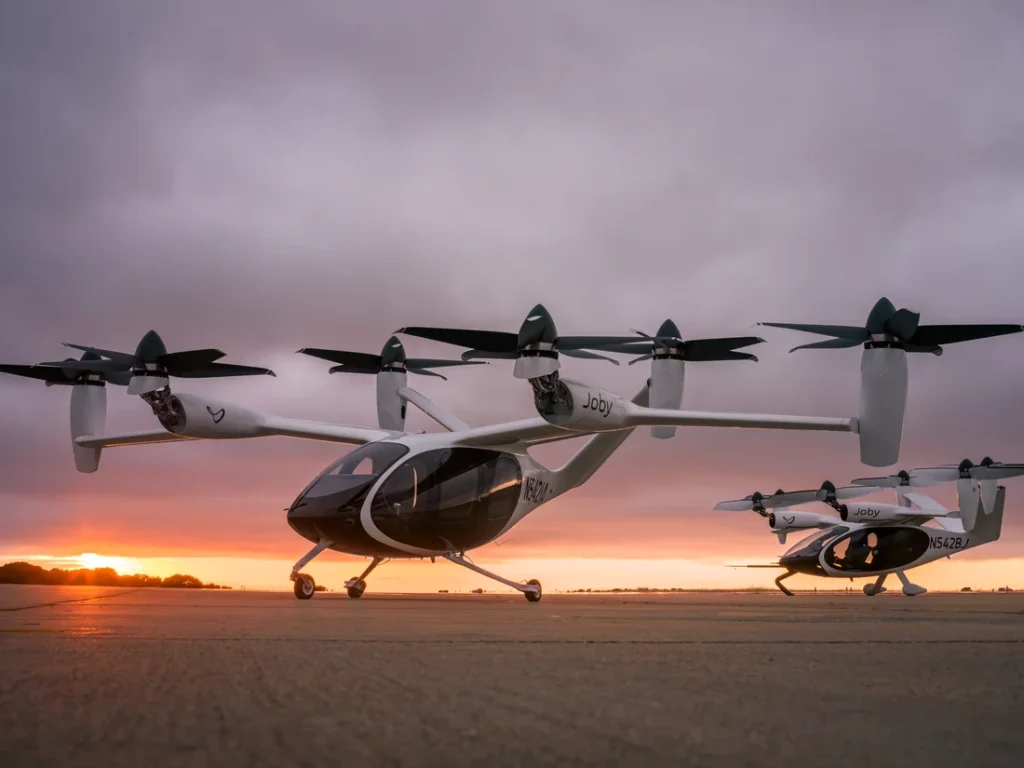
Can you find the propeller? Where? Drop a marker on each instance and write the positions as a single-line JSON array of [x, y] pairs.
[[827, 494], [59, 373], [901, 479], [668, 343], [151, 364], [535, 347], [986, 474], [391, 358], [888, 326]]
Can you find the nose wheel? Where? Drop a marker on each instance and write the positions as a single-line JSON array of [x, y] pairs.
[[304, 586], [356, 586], [356, 589], [533, 595]]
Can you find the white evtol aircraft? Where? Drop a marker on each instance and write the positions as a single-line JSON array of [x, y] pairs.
[[875, 539], [401, 495]]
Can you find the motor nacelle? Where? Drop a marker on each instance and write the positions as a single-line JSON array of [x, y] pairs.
[[667, 375], [194, 416], [575, 406], [871, 512], [883, 401]]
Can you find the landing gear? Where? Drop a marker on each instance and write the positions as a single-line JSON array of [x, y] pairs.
[[304, 586], [910, 590], [780, 579], [531, 590], [357, 589], [875, 589], [357, 585], [534, 595]]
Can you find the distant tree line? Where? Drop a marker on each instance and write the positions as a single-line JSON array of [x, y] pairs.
[[26, 573]]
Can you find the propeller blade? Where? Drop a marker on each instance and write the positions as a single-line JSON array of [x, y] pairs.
[[426, 372], [732, 356], [223, 370], [634, 347], [93, 366], [359, 359], [931, 335], [829, 344], [419, 363], [476, 354], [121, 357], [853, 492], [838, 331], [790, 499], [642, 357], [998, 471], [933, 349], [183, 361], [934, 475], [587, 355], [903, 323], [602, 343], [641, 333], [39, 372], [707, 350], [484, 341], [741, 505], [371, 370]]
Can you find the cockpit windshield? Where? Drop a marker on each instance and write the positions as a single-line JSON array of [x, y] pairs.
[[357, 469], [811, 545]]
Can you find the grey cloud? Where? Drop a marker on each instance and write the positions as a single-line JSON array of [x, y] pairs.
[[261, 177]]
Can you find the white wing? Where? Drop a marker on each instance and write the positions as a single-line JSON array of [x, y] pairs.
[[130, 438], [638, 416], [525, 431], [274, 425]]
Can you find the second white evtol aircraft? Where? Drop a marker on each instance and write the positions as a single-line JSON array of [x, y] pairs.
[[439, 495], [873, 539]]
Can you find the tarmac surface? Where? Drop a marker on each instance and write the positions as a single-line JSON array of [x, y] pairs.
[[158, 677]]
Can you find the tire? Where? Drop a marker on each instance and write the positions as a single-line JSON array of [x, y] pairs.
[[533, 596], [304, 587], [357, 589]]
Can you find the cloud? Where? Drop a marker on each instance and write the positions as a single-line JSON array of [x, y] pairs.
[[326, 173]]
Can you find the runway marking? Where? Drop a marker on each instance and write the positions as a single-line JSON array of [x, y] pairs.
[[70, 600]]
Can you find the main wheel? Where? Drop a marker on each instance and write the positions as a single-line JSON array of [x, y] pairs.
[[304, 587], [357, 589], [533, 595]]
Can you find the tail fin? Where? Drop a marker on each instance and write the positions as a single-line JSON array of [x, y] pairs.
[[988, 527], [88, 418]]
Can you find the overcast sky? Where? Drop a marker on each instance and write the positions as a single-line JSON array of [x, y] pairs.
[[262, 176]]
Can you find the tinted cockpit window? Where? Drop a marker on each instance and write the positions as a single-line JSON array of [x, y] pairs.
[[811, 546], [877, 549], [448, 499], [356, 469]]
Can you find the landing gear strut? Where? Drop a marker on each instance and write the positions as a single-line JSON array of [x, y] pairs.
[[876, 588], [782, 578], [910, 590], [357, 586], [531, 590], [304, 586]]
